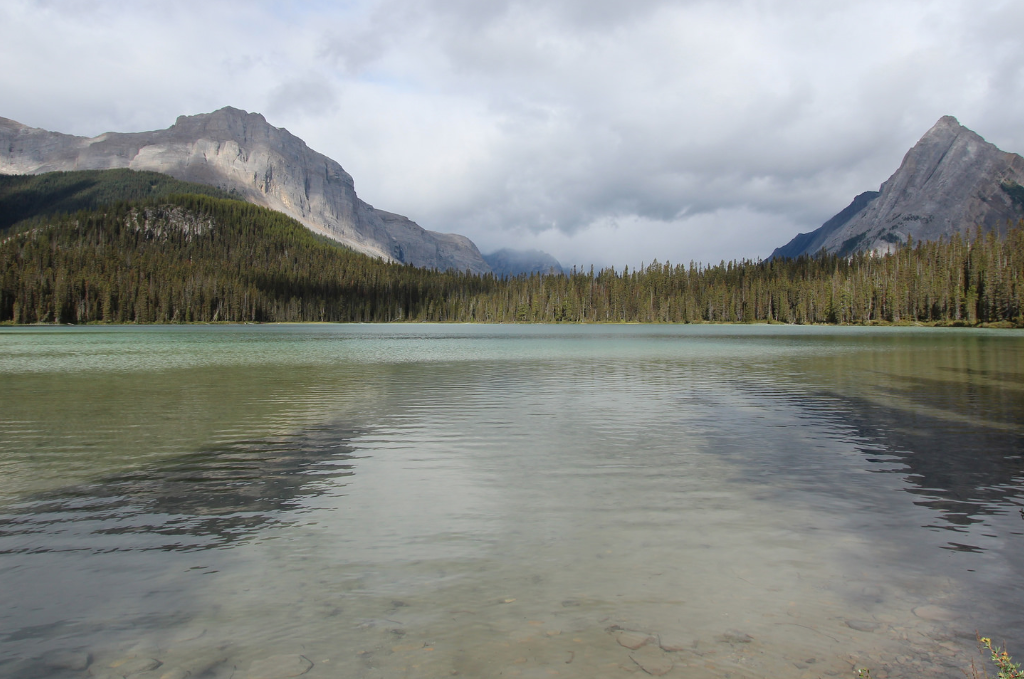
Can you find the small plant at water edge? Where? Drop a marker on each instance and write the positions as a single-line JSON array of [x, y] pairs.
[[1004, 663]]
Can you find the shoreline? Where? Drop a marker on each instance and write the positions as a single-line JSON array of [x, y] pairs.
[[995, 325]]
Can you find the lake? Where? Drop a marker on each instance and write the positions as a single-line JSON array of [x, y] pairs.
[[523, 501]]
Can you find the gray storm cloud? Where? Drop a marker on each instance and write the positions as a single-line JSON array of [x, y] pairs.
[[604, 132]]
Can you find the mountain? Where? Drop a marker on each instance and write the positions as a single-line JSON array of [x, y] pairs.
[[950, 182], [242, 153], [189, 257], [508, 262], [141, 247]]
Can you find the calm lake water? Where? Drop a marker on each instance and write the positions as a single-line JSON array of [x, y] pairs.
[[524, 501]]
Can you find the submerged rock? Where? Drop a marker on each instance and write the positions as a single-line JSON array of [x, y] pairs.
[[673, 643], [126, 667], [204, 663], [279, 667], [632, 640], [67, 660], [734, 636], [176, 673], [873, 593], [652, 660], [190, 634], [933, 613], [862, 625], [137, 665]]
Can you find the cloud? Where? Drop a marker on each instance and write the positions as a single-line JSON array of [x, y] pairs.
[[598, 129], [310, 95], [636, 241]]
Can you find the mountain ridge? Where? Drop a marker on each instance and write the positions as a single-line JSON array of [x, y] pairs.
[[950, 182], [240, 151]]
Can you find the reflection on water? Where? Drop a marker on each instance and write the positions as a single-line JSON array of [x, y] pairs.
[[954, 431], [423, 501], [964, 470], [199, 500]]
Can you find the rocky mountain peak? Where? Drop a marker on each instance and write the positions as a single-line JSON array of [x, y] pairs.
[[945, 125], [241, 152], [231, 123], [945, 136], [951, 182]]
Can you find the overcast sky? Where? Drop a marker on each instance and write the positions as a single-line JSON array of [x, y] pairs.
[[601, 131]]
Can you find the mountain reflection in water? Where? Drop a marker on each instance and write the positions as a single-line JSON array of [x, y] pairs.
[[957, 443], [199, 500]]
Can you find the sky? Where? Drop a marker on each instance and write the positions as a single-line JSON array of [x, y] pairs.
[[603, 132]]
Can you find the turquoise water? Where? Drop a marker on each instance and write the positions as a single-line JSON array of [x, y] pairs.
[[439, 500]]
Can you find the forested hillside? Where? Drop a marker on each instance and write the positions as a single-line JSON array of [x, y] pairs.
[[197, 258], [23, 197]]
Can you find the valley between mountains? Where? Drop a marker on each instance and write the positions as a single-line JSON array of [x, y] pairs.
[[224, 217]]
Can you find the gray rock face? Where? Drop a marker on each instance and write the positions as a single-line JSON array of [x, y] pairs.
[[951, 182], [263, 164], [508, 262]]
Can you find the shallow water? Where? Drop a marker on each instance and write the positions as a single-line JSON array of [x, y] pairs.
[[425, 501]]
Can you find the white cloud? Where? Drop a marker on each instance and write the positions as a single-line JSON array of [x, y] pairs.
[[702, 130]]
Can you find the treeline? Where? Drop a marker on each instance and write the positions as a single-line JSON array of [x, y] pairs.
[[955, 282], [192, 258], [195, 258]]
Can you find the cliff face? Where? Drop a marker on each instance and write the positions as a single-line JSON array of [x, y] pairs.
[[951, 181], [266, 165]]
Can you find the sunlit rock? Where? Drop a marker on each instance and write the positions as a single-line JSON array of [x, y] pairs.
[[242, 153]]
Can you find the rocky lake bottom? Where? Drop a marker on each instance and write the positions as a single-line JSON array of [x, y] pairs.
[[521, 501]]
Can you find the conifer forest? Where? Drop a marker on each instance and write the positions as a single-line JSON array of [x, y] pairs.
[[168, 254]]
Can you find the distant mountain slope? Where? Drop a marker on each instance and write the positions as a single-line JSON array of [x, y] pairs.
[[810, 243], [24, 197], [508, 262], [240, 152], [950, 182]]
